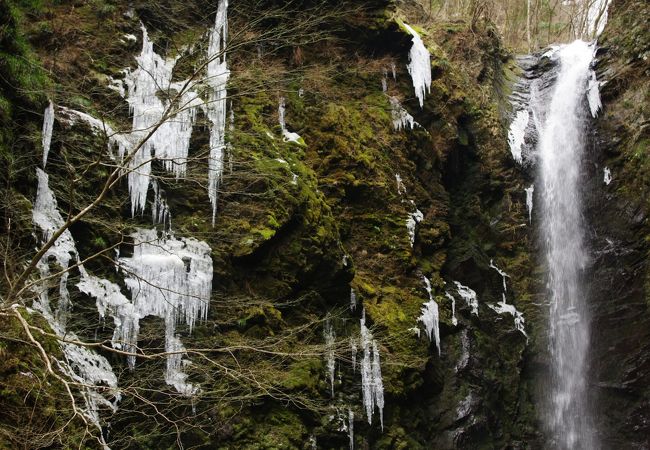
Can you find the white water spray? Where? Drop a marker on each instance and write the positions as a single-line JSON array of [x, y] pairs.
[[561, 147]]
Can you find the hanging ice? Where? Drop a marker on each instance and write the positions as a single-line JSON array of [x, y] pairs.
[[90, 370], [401, 118], [469, 296], [351, 427], [516, 134], [502, 273], [353, 352], [329, 335], [172, 279], [371, 381], [419, 66], [48, 126], [529, 201], [503, 308], [593, 94], [353, 300], [48, 219], [401, 189], [607, 176], [287, 135], [429, 316], [217, 79], [413, 219]]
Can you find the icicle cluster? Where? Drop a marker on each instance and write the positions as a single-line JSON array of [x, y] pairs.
[[454, 320], [469, 296], [330, 336], [411, 221], [371, 382], [401, 118], [529, 201], [287, 135], [516, 134], [503, 308], [86, 367], [429, 316], [419, 66], [217, 78], [48, 126]]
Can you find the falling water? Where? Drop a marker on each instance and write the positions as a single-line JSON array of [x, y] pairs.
[[561, 147]]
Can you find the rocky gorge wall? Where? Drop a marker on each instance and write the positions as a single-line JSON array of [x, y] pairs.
[[300, 225]]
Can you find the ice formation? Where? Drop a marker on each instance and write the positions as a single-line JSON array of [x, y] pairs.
[[172, 279], [469, 296], [529, 201], [502, 308], [401, 189], [329, 335], [287, 135], [593, 94], [413, 219], [419, 66], [429, 316], [454, 320], [371, 381], [217, 79], [353, 300], [502, 273], [353, 353], [81, 364], [351, 427], [401, 118], [516, 134], [48, 126], [607, 176]]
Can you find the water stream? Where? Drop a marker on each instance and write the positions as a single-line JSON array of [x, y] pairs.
[[561, 146]]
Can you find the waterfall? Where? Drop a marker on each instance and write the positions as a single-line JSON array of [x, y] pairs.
[[560, 151]]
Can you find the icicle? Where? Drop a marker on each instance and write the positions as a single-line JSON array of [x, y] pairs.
[[384, 82], [401, 189], [529, 201], [502, 273], [429, 316], [371, 381], [378, 388], [48, 126], [593, 94], [454, 321], [469, 296], [419, 66], [401, 118], [353, 299], [394, 71], [171, 279], [413, 219], [607, 176], [288, 136], [329, 335], [82, 365], [353, 351], [502, 308], [351, 427], [516, 134], [217, 79]]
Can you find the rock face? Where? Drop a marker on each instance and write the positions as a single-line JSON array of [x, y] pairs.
[[323, 195], [619, 210]]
